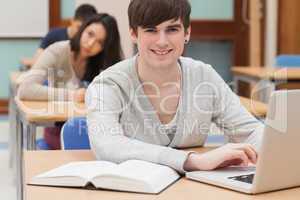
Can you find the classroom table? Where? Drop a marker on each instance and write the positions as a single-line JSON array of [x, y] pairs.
[[15, 139], [266, 79], [12, 115], [32, 114], [40, 161], [256, 108], [37, 113]]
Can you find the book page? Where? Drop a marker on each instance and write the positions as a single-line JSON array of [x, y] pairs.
[[155, 176], [84, 169], [137, 176], [142, 170]]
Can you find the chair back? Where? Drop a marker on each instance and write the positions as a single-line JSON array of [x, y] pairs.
[[42, 145], [74, 134], [288, 61]]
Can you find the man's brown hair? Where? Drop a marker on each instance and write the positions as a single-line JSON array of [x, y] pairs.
[[150, 13]]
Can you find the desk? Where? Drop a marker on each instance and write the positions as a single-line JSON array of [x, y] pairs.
[[43, 113], [12, 114], [15, 139], [40, 161], [268, 73], [256, 108], [284, 78], [30, 115]]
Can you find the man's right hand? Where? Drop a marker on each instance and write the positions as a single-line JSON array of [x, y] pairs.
[[230, 154]]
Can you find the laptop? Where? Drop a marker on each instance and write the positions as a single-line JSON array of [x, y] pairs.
[[278, 165]]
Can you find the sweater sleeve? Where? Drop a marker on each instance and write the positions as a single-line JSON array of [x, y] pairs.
[[31, 84], [107, 137], [232, 117]]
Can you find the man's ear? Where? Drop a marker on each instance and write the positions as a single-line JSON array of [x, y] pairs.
[[133, 35], [188, 34]]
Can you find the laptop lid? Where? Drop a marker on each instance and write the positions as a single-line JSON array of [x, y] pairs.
[[278, 163]]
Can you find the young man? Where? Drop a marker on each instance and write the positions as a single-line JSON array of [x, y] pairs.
[[82, 14], [150, 106]]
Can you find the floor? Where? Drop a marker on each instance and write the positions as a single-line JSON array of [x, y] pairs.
[[7, 176]]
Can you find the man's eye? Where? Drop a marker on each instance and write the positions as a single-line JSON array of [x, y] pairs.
[[171, 30], [150, 30]]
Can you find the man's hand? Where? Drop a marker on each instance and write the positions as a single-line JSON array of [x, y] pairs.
[[227, 155]]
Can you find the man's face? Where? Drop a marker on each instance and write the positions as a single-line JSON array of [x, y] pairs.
[[162, 45]]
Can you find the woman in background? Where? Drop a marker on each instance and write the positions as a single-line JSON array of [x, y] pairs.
[[68, 66]]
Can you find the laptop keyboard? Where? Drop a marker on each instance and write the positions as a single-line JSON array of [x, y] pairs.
[[248, 178]]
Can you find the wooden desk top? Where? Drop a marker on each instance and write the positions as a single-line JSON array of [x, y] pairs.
[[50, 111], [268, 73], [256, 108], [40, 161], [44, 111]]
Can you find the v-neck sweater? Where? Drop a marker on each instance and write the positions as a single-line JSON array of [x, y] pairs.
[[123, 125]]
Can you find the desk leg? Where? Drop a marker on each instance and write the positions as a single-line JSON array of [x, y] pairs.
[[266, 87], [272, 89], [19, 161], [30, 136], [12, 132], [27, 140], [236, 84]]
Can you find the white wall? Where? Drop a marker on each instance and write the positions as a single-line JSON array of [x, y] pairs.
[[26, 18], [117, 8]]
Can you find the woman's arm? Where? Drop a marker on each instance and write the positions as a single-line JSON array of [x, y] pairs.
[[32, 86]]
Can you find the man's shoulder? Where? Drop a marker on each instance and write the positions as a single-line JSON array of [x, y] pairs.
[[193, 65], [120, 71], [57, 31], [54, 35]]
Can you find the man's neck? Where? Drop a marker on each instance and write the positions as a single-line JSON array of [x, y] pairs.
[[158, 76], [70, 33]]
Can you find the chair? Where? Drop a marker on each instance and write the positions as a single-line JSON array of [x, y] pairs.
[[42, 145], [216, 139], [74, 134], [287, 61]]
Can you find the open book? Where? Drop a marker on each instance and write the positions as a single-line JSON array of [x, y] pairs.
[[131, 175]]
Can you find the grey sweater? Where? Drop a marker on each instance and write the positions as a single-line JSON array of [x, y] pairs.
[[123, 124], [55, 66]]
